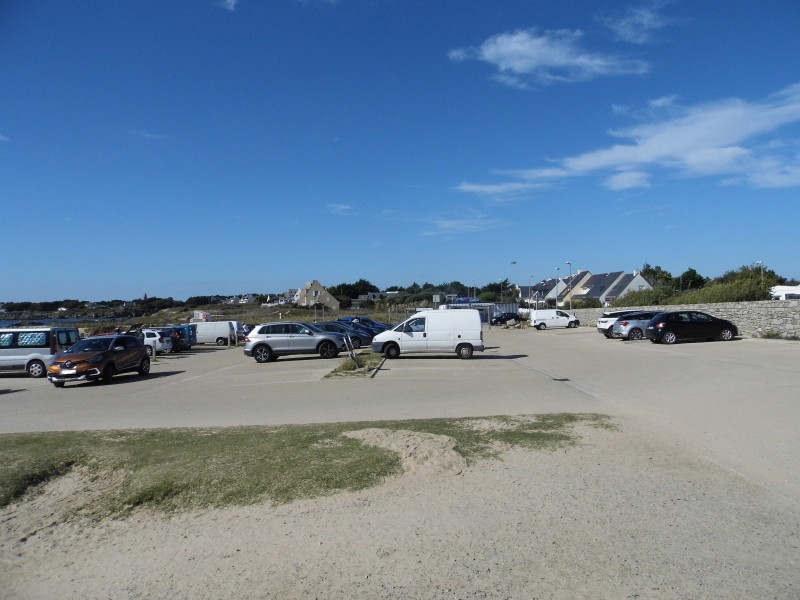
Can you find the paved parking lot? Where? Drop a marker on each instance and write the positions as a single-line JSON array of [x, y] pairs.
[[735, 402]]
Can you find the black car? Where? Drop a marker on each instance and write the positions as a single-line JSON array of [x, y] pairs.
[[670, 327], [505, 317]]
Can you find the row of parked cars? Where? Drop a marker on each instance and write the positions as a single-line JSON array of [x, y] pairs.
[[267, 341], [665, 326]]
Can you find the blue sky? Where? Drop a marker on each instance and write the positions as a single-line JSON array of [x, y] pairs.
[[198, 147]]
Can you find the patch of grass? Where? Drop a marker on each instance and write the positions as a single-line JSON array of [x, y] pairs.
[[365, 364], [184, 469], [776, 335]]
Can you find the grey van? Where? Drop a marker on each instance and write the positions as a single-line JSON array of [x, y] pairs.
[[31, 348]]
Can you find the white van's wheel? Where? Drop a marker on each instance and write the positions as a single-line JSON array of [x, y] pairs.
[[36, 368], [221, 341], [541, 326], [464, 351], [572, 324], [391, 351]]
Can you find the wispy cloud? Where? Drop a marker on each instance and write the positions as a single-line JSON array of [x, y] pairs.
[[528, 57], [147, 135], [340, 209], [727, 138], [637, 25], [3, 138], [229, 4], [451, 227]]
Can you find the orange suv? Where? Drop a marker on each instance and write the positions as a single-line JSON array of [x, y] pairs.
[[99, 358]]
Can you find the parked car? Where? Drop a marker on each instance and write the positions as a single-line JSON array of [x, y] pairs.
[[156, 342], [542, 319], [359, 337], [98, 358], [438, 331], [632, 326], [373, 325], [670, 327], [268, 341], [605, 324], [506, 317]]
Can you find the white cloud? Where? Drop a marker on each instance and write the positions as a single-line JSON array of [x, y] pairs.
[[503, 192], [723, 138], [449, 227], [628, 180], [637, 24], [3, 138], [340, 209], [147, 135], [527, 56], [229, 4]]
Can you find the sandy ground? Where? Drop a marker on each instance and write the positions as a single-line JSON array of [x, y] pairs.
[[625, 514]]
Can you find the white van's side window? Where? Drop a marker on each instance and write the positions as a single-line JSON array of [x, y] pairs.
[[416, 325], [6, 339], [34, 339]]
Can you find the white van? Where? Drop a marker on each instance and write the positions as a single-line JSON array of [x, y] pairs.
[[542, 319], [221, 333], [31, 348], [457, 330]]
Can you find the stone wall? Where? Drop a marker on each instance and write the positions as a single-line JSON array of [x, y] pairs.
[[754, 319]]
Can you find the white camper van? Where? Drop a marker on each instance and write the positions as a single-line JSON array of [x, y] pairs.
[[457, 330], [542, 319], [221, 333]]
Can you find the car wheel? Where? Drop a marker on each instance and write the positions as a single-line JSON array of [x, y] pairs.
[[149, 350], [107, 374], [356, 343], [262, 354], [669, 337], [328, 350], [635, 334], [572, 324], [144, 367], [391, 351], [464, 351], [221, 341], [726, 335], [36, 368], [541, 326], [58, 384]]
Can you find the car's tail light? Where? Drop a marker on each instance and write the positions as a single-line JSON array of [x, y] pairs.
[[246, 339], [660, 325], [624, 323]]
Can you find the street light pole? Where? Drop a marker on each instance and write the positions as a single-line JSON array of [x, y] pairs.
[[570, 286], [557, 270], [760, 264], [529, 290]]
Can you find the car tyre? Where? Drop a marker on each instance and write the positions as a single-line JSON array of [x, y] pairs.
[[726, 335], [58, 384], [464, 351], [635, 334], [328, 350], [221, 341], [149, 349], [391, 351], [107, 374], [36, 368], [541, 326], [356, 343], [263, 354], [572, 325], [669, 337], [144, 367]]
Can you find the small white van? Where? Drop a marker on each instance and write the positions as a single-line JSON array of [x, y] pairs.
[[221, 333], [31, 348], [542, 319], [456, 330]]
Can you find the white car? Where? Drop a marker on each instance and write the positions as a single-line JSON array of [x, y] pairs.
[[156, 342]]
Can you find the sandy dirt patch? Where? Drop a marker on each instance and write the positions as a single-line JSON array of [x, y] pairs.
[[623, 515]]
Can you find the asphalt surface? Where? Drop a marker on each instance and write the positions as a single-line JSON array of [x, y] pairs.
[[737, 403]]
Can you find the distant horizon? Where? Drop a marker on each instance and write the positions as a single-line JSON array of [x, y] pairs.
[[175, 147]]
